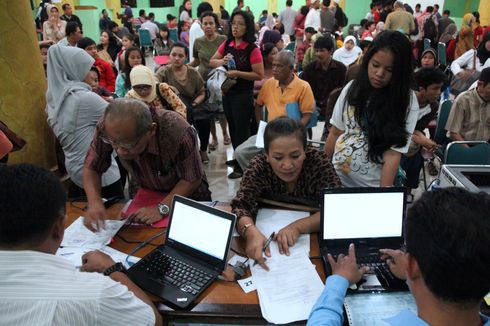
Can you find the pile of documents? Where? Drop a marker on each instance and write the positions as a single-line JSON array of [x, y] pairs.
[[79, 240], [288, 291]]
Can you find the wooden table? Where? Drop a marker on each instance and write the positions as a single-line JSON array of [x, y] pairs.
[[223, 302]]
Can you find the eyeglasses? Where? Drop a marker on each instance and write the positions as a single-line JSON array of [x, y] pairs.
[[142, 87], [125, 147]]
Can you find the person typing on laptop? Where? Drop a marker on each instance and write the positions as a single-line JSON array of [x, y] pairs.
[[445, 263], [39, 288], [287, 170]]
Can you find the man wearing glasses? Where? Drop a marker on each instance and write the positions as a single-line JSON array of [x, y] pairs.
[[157, 147]]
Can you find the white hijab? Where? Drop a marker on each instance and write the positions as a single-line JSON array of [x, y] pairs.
[[347, 57], [66, 70]]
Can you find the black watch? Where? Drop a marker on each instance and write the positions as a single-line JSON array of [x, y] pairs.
[[163, 209], [117, 267]]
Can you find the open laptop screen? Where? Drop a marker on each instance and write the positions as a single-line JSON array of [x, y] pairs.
[[362, 215], [200, 230]]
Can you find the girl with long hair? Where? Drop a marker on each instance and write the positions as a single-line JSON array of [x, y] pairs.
[[133, 56], [375, 115]]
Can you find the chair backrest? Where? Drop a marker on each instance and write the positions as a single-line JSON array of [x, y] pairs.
[[426, 43], [457, 153], [440, 135], [173, 34], [291, 46], [145, 37], [441, 54]]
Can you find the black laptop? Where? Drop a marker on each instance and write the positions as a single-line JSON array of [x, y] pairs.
[[194, 253], [371, 218]]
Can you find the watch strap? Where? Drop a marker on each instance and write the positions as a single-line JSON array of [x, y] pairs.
[[117, 267]]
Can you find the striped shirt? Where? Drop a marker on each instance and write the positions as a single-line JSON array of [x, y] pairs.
[[41, 289]]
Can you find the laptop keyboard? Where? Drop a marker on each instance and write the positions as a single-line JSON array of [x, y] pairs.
[[170, 270]]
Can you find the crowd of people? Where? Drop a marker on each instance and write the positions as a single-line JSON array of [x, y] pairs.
[[119, 120]]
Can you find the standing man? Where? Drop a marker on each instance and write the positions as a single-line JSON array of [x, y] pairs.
[[340, 17], [158, 148], [150, 25], [313, 17], [239, 6], [400, 20], [39, 288], [286, 18], [444, 22], [324, 74], [68, 16], [327, 18]]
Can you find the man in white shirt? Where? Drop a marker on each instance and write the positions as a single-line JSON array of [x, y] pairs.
[[151, 26], [313, 17], [39, 288], [196, 31], [286, 18]]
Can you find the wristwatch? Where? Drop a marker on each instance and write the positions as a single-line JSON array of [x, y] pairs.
[[163, 209], [117, 267]]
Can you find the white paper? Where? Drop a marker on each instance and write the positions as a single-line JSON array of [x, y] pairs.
[[259, 142], [247, 284], [288, 291], [77, 235], [273, 220], [74, 255]]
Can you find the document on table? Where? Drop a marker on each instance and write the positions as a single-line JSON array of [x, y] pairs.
[[371, 309], [288, 291], [77, 234], [273, 220], [74, 255]]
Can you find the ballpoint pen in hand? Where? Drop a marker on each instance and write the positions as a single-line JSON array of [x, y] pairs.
[[267, 243]]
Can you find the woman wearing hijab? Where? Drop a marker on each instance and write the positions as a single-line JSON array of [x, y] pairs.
[[144, 88], [448, 33], [349, 52], [268, 26], [465, 36], [54, 27], [73, 112]]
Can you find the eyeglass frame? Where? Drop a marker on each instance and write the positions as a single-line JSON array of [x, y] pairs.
[[125, 147]]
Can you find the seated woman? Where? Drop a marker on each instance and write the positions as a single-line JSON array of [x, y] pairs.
[[288, 171], [349, 52], [54, 27], [190, 86], [73, 111], [133, 56], [144, 88], [163, 42]]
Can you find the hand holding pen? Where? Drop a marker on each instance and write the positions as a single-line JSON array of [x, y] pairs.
[[265, 250]]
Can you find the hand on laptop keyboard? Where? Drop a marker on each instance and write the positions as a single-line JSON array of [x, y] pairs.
[[346, 266], [396, 260]]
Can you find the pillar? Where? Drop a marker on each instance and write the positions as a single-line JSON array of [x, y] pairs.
[[23, 84], [484, 11]]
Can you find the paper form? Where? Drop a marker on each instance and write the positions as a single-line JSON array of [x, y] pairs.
[[77, 234], [74, 255], [259, 141]]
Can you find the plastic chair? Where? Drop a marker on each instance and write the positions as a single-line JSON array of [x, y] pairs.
[[426, 43], [173, 34], [145, 38], [456, 153], [440, 134], [441, 54], [291, 46]]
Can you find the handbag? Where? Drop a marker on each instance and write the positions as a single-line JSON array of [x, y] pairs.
[[17, 141], [228, 84], [459, 85]]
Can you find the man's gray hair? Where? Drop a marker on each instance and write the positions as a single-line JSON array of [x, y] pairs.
[[398, 4], [130, 109], [288, 55]]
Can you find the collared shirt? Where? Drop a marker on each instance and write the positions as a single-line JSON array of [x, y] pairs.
[[322, 81], [171, 155], [470, 116], [296, 95], [152, 27], [41, 289], [194, 33], [400, 20], [328, 310]]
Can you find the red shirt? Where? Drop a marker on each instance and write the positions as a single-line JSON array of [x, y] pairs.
[[107, 75], [255, 55]]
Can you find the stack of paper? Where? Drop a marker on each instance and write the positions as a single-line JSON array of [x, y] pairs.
[[288, 291], [79, 240]]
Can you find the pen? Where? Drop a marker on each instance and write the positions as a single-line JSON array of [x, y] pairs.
[[267, 243]]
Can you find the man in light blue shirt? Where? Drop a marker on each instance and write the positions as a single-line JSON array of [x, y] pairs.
[[445, 263]]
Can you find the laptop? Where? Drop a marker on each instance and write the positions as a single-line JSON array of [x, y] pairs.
[[192, 257], [371, 218]]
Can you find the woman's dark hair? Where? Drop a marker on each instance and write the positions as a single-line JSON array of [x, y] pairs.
[[182, 8], [85, 42], [113, 47], [283, 127], [163, 28], [129, 36], [482, 53], [249, 35], [180, 45], [127, 68], [211, 14], [381, 113], [103, 10], [266, 49], [304, 10]]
